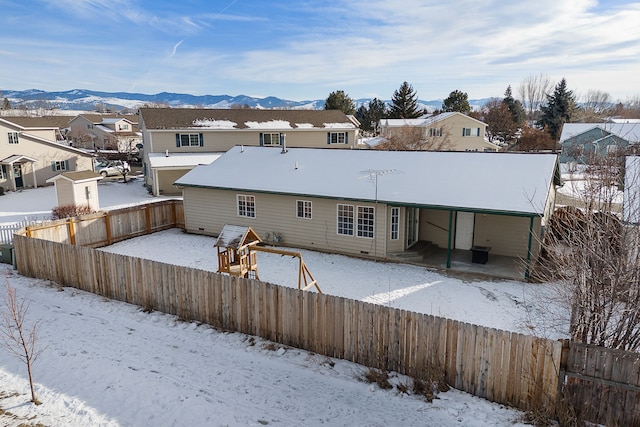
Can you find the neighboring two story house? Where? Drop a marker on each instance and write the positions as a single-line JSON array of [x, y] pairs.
[[176, 140], [105, 132], [33, 152], [449, 131]]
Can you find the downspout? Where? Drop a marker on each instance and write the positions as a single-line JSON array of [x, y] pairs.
[[526, 272], [449, 239]]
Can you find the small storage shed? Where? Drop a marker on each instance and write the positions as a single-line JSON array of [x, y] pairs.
[[77, 188]]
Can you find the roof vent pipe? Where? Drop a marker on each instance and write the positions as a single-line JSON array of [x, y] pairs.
[[284, 143], [242, 148], [166, 153], [295, 166]]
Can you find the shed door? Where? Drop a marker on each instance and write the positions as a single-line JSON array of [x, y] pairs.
[[464, 230]]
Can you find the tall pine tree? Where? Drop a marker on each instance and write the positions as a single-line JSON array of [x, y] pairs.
[[404, 104], [369, 116], [515, 107], [457, 101], [560, 106], [339, 100]]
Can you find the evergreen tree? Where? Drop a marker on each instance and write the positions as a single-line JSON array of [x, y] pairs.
[[6, 105], [369, 115], [404, 104], [457, 101], [515, 107], [558, 111], [339, 100]]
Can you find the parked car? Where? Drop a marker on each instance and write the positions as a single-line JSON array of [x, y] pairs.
[[111, 167]]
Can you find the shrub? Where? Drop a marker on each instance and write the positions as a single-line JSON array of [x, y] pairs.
[[70, 211]]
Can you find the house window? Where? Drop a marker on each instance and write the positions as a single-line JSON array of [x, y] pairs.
[[366, 218], [395, 223], [345, 220], [270, 139], [435, 132], [123, 127], [60, 165], [337, 138], [612, 150], [471, 132], [189, 140], [303, 209], [2, 172], [246, 206], [90, 126], [13, 137]]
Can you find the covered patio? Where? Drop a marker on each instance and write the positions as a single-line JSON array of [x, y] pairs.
[[12, 165]]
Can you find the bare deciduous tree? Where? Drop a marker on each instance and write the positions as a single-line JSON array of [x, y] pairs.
[[533, 92], [418, 138], [19, 339], [595, 106], [590, 256]]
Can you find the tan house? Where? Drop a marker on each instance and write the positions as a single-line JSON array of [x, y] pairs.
[[31, 155], [375, 203], [450, 131], [175, 139], [105, 132]]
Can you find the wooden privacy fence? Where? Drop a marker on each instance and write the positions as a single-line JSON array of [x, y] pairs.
[[108, 227], [500, 366], [602, 383]]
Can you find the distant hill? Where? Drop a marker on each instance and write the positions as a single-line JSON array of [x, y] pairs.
[[88, 100]]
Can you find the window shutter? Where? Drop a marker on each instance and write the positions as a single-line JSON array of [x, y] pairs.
[[177, 140], [478, 132], [201, 138], [261, 139], [462, 131], [66, 165], [346, 137], [328, 137], [282, 139], [53, 166]]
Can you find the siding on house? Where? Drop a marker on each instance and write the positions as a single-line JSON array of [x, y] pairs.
[[208, 210], [64, 192], [166, 178], [506, 235], [434, 226]]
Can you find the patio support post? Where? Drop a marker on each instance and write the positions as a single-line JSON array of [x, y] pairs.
[[526, 272], [449, 240]]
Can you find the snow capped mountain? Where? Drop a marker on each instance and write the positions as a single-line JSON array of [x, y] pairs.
[[81, 99]]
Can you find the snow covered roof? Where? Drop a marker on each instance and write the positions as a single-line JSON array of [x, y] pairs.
[[199, 118], [424, 121], [181, 160], [77, 176], [627, 131], [515, 183]]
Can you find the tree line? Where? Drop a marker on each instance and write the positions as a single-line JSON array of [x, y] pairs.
[[530, 120]]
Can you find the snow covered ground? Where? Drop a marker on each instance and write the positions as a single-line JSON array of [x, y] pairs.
[[109, 363]]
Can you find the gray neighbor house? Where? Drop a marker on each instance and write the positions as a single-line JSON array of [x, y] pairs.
[[375, 204]]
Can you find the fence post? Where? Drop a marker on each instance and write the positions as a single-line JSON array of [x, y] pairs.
[[562, 369], [147, 217], [107, 226], [72, 233]]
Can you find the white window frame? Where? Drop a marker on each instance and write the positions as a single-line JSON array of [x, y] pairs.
[[435, 132], [59, 165], [395, 224], [270, 137], [345, 219], [2, 175], [366, 227], [337, 137], [303, 209], [246, 205], [189, 140], [471, 132], [14, 137]]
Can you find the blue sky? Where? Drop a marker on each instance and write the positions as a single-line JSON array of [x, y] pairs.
[[301, 50]]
